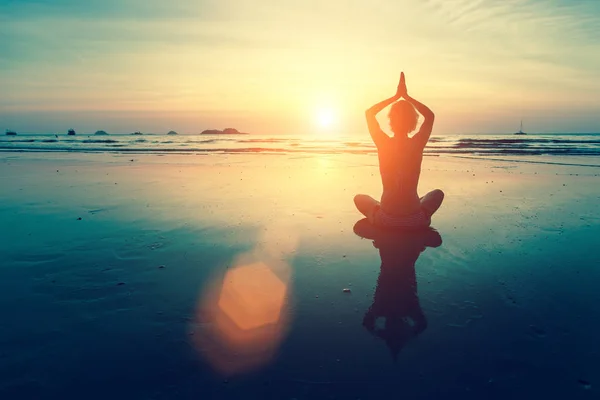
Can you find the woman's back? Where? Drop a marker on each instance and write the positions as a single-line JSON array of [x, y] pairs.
[[400, 168]]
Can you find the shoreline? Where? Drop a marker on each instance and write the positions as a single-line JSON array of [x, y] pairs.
[[580, 149]]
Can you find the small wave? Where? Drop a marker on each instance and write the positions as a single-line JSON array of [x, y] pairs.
[[569, 141], [525, 141], [497, 141], [189, 150], [99, 141], [203, 141], [272, 140], [515, 151]]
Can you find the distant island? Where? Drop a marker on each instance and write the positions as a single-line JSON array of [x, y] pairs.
[[172, 133], [100, 133], [226, 131]]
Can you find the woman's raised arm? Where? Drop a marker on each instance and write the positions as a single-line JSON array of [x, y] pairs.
[[374, 129], [423, 135]]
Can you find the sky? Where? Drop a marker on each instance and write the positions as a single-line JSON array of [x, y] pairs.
[[285, 66]]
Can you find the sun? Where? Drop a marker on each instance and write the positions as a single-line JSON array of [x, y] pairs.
[[326, 118]]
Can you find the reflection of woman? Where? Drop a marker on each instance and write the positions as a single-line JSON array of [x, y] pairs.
[[395, 315], [400, 160]]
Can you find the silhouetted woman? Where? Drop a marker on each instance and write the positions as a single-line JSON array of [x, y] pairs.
[[400, 160]]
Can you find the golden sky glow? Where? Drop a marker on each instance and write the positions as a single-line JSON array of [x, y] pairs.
[[265, 66]]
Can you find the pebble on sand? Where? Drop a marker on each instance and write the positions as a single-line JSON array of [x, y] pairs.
[[585, 384], [538, 331]]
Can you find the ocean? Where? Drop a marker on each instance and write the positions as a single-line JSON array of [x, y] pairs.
[[541, 147]]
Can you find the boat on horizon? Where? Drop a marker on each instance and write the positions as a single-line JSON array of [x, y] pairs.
[[10, 132], [71, 132], [520, 130], [137, 133]]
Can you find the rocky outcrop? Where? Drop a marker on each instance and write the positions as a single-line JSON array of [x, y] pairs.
[[226, 131], [172, 133], [100, 133]]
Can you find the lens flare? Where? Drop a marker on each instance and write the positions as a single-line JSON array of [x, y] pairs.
[[243, 314]]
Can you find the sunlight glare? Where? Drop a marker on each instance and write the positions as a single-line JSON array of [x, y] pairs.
[[326, 118]]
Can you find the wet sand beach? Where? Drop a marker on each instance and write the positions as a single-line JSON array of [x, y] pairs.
[[252, 276]]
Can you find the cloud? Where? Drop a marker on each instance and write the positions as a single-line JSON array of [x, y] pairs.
[[115, 9], [276, 57]]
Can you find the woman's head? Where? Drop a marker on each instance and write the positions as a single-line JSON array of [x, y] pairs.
[[403, 118]]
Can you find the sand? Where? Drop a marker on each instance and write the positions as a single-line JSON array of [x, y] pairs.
[[223, 276]]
